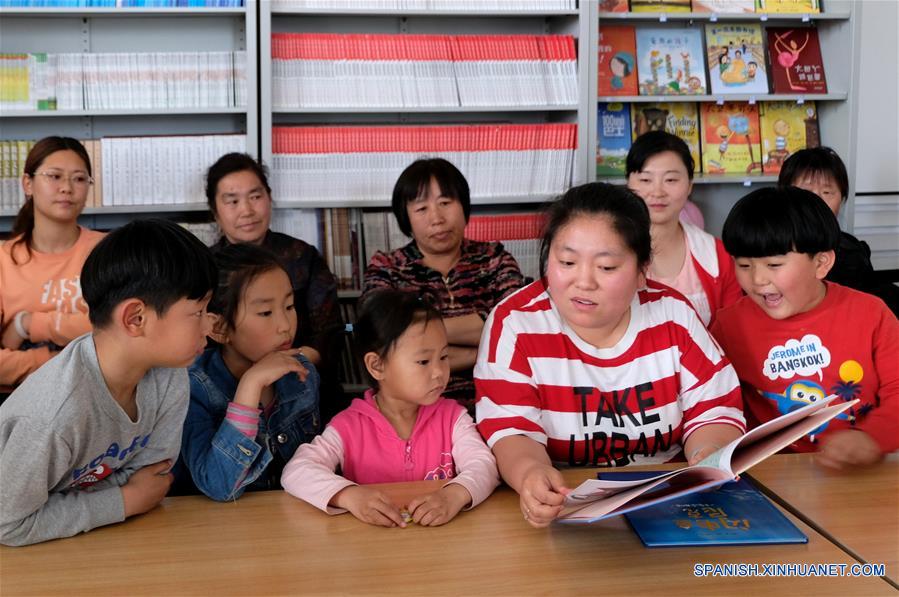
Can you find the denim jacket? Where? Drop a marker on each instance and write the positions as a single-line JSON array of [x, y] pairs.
[[222, 461]]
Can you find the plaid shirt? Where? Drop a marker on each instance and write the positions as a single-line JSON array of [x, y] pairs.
[[483, 276]]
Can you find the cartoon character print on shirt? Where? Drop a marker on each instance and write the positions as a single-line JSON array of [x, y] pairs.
[[445, 470], [808, 357], [93, 476]]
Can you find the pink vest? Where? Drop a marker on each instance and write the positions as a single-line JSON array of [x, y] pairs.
[[374, 453]]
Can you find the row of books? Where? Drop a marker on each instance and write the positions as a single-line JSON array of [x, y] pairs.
[[132, 170], [352, 70], [715, 6], [353, 163], [121, 3], [671, 61], [728, 138], [441, 5], [107, 81]]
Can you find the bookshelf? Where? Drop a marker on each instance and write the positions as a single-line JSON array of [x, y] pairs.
[[62, 30], [278, 18], [839, 33]]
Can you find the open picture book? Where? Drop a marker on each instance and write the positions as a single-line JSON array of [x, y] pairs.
[[596, 499]]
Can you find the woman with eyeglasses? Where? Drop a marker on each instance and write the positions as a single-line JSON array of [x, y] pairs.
[[41, 308]]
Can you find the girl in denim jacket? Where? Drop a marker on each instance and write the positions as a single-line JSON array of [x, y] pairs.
[[402, 430], [253, 399]]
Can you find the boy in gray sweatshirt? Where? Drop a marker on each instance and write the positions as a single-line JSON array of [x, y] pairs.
[[89, 438]]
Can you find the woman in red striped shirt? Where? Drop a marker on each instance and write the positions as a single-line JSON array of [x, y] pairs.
[[594, 366]]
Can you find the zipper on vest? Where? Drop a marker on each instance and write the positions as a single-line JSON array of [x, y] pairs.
[[408, 455]]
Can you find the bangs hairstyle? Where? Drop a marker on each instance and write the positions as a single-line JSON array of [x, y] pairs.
[[238, 265], [813, 163], [778, 220], [627, 212], [384, 317], [414, 182], [653, 143], [153, 260]]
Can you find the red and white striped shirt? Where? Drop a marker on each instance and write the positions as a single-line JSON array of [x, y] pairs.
[[636, 402]]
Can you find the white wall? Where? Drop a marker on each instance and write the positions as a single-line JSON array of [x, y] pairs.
[[876, 176]]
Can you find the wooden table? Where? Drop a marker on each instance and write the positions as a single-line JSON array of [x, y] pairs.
[[857, 509], [272, 544]]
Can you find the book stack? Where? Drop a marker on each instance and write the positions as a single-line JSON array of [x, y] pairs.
[[314, 70], [123, 81], [160, 170], [515, 70], [381, 233], [327, 70], [726, 138], [362, 163], [122, 3], [304, 224], [520, 234], [537, 6], [342, 236], [12, 163]]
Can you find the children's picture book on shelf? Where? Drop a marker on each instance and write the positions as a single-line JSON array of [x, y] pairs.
[[724, 6], [736, 56], [670, 61], [735, 513], [660, 5], [730, 138], [788, 6], [597, 499], [613, 138], [678, 118], [795, 58], [786, 127], [613, 6], [617, 60]]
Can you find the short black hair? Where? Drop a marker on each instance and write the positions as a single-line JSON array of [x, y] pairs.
[[653, 143], [778, 220], [238, 265], [629, 215], [229, 164], [154, 260], [385, 315], [815, 161], [414, 181]]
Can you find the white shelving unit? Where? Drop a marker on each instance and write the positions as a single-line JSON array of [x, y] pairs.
[[76, 30], [533, 22], [839, 35]]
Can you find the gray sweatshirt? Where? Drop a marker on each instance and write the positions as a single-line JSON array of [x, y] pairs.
[[66, 446]]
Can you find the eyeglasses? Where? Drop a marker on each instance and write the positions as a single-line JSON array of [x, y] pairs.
[[77, 179]]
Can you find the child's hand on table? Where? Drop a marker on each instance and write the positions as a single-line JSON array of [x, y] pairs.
[[439, 507]]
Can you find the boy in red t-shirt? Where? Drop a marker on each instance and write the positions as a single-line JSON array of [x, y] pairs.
[[796, 338]]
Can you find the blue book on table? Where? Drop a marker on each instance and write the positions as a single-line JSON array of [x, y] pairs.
[[735, 513]]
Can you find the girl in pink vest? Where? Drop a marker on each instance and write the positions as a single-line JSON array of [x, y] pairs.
[[402, 430]]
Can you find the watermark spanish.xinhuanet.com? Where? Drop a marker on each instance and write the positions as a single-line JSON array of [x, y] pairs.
[[805, 570]]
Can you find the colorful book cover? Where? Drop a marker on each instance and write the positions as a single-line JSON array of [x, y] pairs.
[[796, 64], [613, 6], [613, 138], [724, 6], [735, 513], [670, 61], [678, 118], [730, 138], [736, 58], [660, 5], [788, 6], [617, 60], [786, 127]]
